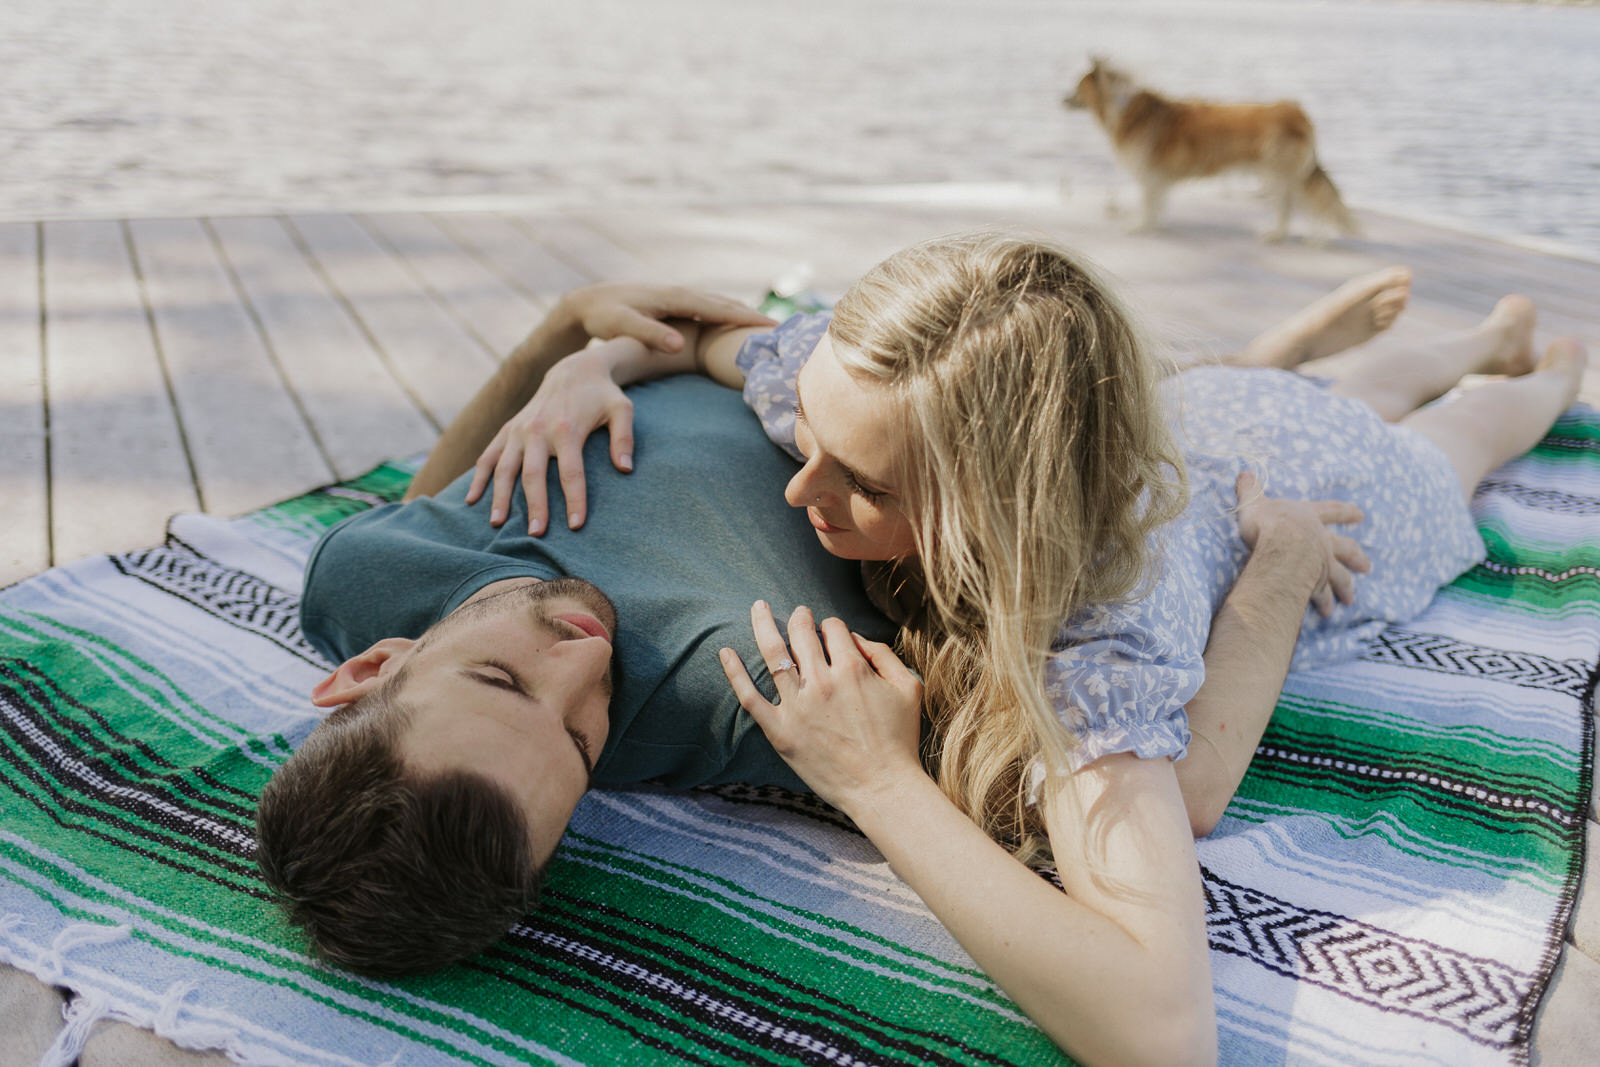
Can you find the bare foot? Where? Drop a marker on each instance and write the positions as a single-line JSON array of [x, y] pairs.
[[1357, 311], [1568, 359], [1509, 332]]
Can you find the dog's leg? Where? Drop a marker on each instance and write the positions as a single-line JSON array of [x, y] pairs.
[[1113, 206], [1285, 191], [1154, 199]]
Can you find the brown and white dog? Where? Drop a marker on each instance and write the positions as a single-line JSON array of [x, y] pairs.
[[1165, 141]]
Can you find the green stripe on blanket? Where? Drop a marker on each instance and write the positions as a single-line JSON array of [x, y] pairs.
[[1390, 886]]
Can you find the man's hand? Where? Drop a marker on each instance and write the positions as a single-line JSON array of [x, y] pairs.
[[576, 398], [1304, 523], [552, 392], [603, 311]]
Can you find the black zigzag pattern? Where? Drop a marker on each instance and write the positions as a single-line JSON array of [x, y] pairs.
[[234, 596], [1552, 500], [804, 805], [1432, 652], [1484, 1000]]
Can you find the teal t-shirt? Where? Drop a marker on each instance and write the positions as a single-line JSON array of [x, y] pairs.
[[683, 547]]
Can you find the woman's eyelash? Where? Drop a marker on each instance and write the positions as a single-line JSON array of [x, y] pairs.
[[855, 483]]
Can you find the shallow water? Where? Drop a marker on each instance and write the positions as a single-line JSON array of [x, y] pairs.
[[1477, 112]]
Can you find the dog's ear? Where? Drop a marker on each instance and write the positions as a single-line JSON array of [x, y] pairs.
[[1096, 61]]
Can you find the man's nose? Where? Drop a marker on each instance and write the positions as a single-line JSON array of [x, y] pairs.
[[594, 652], [580, 660]]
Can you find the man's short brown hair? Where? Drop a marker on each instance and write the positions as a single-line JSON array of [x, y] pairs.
[[388, 872]]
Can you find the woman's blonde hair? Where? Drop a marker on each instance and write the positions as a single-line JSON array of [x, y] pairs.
[[1039, 465]]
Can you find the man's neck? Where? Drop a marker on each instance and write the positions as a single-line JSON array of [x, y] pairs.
[[505, 585]]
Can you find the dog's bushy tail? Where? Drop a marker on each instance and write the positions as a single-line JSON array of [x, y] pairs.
[[1322, 197]]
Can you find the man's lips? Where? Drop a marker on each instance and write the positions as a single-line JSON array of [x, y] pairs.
[[821, 523], [587, 623]]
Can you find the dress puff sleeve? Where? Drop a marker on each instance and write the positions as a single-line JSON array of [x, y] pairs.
[[1120, 674], [771, 361]]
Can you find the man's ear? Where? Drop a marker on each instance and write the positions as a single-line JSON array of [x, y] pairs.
[[362, 673]]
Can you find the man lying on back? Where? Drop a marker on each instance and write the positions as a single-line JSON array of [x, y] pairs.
[[488, 678]]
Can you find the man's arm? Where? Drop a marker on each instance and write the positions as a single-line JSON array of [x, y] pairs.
[[501, 397], [606, 311], [1295, 561]]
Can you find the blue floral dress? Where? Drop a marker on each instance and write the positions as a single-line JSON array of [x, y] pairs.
[[1121, 673]]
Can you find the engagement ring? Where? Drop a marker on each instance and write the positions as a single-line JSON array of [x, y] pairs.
[[785, 665]]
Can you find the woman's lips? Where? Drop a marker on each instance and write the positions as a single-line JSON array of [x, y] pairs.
[[587, 623], [821, 523]]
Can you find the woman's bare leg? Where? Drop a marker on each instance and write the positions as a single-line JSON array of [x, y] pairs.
[[1396, 383], [1489, 425], [1357, 311]]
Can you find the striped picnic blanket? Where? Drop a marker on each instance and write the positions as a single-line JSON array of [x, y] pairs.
[[1391, 886]]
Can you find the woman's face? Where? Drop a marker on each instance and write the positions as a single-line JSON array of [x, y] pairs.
[[848, 431]]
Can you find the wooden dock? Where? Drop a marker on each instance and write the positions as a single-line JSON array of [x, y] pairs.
[[151, 366]]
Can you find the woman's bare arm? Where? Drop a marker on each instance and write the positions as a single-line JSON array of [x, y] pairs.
[[1116, 969], [1294, 561]]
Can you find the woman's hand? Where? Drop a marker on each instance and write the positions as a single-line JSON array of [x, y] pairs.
[[1111, 978], [621, 309], [577, 397], [849, 715], [1304, 524]]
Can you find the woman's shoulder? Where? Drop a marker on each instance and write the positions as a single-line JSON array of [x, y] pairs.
[[771, 362], [790, 341], [1120, 674]]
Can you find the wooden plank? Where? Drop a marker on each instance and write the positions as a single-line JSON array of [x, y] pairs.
[[1189, 298], [1594, 790], [118, 467], [1458, 277], [357, 409], [24, 476], [1495, 266], [247, 437], [742, 250], [1244, 308], [1200, 298], [1566, 1031], [838, 242], [1231, 280], [481, 300], [585, 248], [732, 251], [1231, 284], [113, 1043], [1584, 931], [1214, 273], [438, 361], [30, 1014], [505, 248]]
